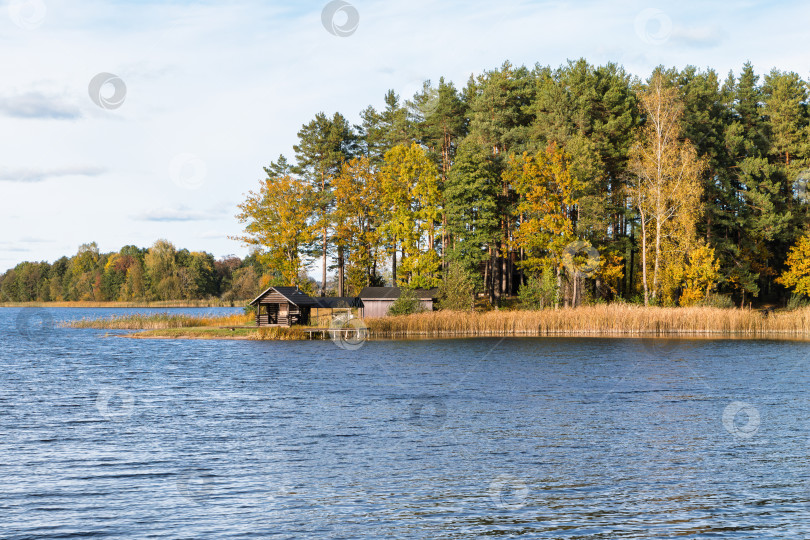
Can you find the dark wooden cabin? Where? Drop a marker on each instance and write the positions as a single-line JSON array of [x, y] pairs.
[[283, 306]]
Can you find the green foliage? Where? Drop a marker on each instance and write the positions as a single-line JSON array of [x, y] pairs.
[[539, 291], [472, 205], [406, 304], [457, 290], [798, 301], [722, 301], [132, 274]]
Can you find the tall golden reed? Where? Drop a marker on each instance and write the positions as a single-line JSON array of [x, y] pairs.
[[161, 321], [611, 319]]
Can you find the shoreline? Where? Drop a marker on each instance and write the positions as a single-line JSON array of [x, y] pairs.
[[619, 321], [204, 333]]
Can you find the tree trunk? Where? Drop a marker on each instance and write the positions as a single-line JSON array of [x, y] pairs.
[[504, 276], [402, 258], [394, 266], [629, 289], [373, 271], [323, 279], [559, 289], [644, 259], [657, 257], [574, 292], [325, 232], [341, 288], [496, 273]]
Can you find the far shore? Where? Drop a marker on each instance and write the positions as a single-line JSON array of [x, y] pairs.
[[159, 304]]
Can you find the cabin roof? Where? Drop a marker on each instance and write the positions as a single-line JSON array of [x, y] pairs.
[[392, 293], [338, 301], [294, 295]]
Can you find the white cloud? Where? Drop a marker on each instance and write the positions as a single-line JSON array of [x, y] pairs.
[[34, 104], [172, 214], [40, 175]]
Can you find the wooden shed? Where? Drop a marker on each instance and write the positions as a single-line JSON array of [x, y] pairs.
[[283, 306], [375, 301]]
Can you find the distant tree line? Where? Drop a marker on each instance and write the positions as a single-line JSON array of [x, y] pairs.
[[580, 183], [160, 272]]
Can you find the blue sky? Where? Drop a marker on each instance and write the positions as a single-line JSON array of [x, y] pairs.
[[216, 90]]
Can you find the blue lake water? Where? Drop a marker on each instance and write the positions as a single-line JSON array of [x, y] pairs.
[[521, 437]]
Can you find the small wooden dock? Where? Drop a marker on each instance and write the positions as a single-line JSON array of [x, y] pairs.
[[312, 333], [327, 333]]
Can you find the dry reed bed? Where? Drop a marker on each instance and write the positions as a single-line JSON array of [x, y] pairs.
[[613, 319], [160, 321]]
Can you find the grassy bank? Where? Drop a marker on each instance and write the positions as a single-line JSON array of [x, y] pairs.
[[254, 334], [171, 326], [144, 304], [613, 319], [161, 321]]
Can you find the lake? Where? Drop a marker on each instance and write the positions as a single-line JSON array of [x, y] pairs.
[[584, 438]]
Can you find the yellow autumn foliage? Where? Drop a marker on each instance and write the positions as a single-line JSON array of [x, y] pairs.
[[700, 275], [797, 275]]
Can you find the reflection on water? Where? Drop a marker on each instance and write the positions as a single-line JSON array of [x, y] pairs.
[[534, 437]]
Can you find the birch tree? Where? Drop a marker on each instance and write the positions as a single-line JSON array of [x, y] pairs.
[[665, 184]]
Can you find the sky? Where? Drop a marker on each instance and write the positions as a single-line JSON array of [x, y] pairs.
[[126, 122]]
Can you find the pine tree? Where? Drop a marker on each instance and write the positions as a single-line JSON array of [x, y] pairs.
[[472, 208], [324, 144]]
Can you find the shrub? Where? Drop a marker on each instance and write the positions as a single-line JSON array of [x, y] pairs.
[[406, 304], [457, 290], [539, 291], [723, 301], [797, 301]]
